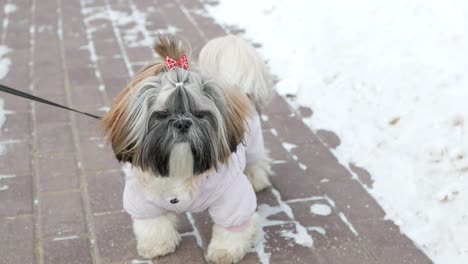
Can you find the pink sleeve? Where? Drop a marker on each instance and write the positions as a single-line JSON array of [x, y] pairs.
[[236, 205], [135, 202], [255, 147]]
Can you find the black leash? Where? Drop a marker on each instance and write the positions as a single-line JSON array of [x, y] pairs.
[[19, 93]]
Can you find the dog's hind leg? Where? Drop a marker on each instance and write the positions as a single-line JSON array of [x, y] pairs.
[[259, 173]]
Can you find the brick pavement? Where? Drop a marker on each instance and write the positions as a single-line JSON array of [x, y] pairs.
[[60, 187]]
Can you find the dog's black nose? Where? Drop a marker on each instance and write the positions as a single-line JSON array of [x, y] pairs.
[[174, 201], [183, 125]]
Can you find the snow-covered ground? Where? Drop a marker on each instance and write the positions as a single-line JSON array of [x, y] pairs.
[[389, 77]]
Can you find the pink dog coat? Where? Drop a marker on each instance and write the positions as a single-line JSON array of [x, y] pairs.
[[226, 193]]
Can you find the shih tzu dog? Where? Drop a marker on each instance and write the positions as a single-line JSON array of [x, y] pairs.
[[192, 141]]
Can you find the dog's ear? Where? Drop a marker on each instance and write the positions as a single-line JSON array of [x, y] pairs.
[[115, 130], [238, 110]]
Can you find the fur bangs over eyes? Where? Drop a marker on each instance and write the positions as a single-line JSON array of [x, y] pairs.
[[142, 122]]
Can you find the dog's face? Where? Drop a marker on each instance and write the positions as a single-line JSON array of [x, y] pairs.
[[159, 113]]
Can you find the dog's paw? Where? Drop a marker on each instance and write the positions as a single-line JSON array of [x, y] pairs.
[[221, 255], [151, 248], [156, 237], [258, 175], [228, 247]]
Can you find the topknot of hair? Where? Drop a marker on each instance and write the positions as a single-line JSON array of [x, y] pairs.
[[172, 46]]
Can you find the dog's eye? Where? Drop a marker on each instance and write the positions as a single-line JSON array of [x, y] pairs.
[[199, 114], [161, 115]]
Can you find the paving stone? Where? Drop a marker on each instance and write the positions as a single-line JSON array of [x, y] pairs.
[[353, 200], [283, 249], [187, 252], [291, 129], [105, 191], [305, 112], [278, 106], [405, 255], [387, 244], [349, 253], [89, 127], [107, 49], [115, 239], [363, 175], [16, 157], [326, 230], [114, 85], [62, 214], [52, 88], [46, 114], [16, 195], [292, 181], [14, 103], [276, 150], [204, 225], [57, 172], [111, 67], [87, 97], [70, 250], [184, 225], [17, 240], [77, 58], [320, 162], [137, 54], [16, 126], [266, 198], [329, 138], [54, 137], [82, 75], [97, 154]]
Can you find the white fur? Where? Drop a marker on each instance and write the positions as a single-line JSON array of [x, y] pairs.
[[228, 247], [258, 174], [181, 183], [236, 62], [156, 237]]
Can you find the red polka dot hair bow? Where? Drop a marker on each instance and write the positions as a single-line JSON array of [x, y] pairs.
[[182, 62]]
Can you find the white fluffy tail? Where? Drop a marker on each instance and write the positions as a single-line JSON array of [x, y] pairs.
[[234, 61]]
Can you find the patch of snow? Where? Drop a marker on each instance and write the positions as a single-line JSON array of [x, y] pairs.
[[137, 261], [345, 220], [318, 229], [5, 62], [9, 8], [389, 78], [8, 176], [289, 146], [65, 238], [302, 166], [320, 209], [104, 109], [274, 132], [196, 233]]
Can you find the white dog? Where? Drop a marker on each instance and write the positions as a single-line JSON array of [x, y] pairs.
[[192, 141]]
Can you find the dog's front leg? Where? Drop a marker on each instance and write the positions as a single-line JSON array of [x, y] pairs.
[[230, 246], [156, 237]]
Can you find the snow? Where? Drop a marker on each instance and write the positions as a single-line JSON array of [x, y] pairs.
[[5, 62], [320, 209], [9, 8], [389, 78]]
